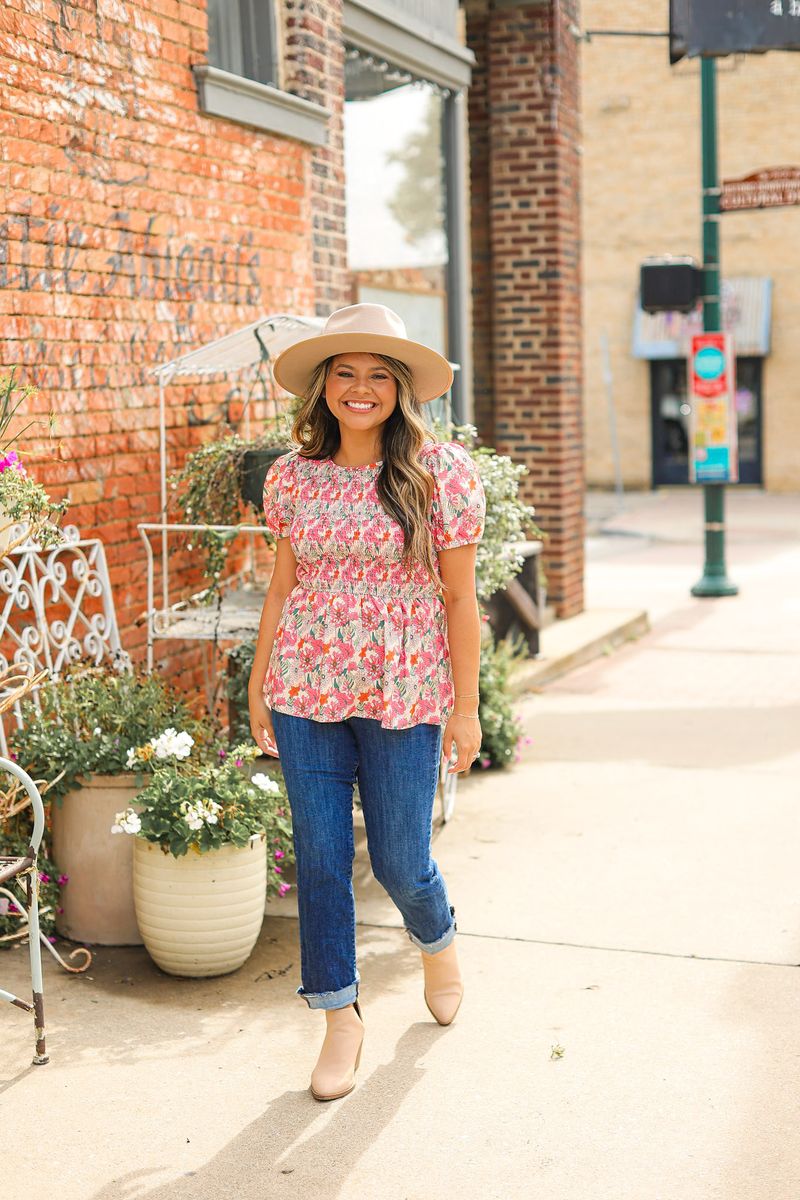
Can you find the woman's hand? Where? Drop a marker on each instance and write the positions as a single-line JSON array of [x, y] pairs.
[[466, 733], [261, 725]]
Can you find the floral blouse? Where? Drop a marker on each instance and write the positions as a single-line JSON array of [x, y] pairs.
[[362, 634]]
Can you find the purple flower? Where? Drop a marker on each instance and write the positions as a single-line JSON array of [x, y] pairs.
[[62, 879], [59, 910], [43, 877], [223, 754]]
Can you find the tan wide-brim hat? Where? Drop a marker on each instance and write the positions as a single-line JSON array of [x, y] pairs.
[[364, 329]]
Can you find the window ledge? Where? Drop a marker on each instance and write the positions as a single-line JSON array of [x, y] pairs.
[[249, 103]]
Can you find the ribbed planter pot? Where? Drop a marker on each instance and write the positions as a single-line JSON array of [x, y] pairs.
[[200, 914], [98, 900]]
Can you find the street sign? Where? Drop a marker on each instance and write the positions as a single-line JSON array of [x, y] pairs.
[[713, 449], [713, 29], [763, 189]]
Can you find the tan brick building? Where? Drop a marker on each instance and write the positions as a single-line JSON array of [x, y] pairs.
[[641, 165]]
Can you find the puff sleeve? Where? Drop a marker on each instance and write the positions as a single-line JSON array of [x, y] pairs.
[[458, 509], [279, 496]]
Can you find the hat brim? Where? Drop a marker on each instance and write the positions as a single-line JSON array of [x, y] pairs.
[[294, 367]]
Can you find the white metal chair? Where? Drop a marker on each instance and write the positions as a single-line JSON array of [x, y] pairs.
[[23, 871]]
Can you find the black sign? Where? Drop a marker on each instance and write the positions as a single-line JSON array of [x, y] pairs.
[[714, 28]]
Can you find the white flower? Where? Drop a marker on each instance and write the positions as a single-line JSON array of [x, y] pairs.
[[192, 818], [266, 784], [97, 731], [131, 761], [172, 744], [200, 813], [126, 822]]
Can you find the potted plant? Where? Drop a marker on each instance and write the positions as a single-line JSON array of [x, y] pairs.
[[78, 735], [22, 499], [218, 477], [211, 840]]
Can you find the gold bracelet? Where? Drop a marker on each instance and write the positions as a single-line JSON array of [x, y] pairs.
[[469, 716], [467, 695]]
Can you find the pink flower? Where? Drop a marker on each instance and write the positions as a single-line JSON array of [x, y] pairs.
[[59, 910], [284, 888], [51, 939], [62, 879], [43, 877], [278, 870], [279, 854], [238, 762], [12, 460]]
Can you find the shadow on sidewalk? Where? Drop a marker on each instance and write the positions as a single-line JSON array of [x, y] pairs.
[[271, 1156]]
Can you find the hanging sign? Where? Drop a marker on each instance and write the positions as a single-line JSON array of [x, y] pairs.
[[713, 453], [712, 29], [763, 189]]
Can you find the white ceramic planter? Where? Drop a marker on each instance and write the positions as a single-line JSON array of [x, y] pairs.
[[200, 914], [98, 900]]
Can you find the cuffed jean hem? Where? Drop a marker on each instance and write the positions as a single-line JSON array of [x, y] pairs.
[[440, 943], [344, 996]]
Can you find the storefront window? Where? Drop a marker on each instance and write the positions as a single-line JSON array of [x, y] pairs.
[[396, 201]]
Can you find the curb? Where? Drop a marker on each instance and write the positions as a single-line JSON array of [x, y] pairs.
[[576, 641]]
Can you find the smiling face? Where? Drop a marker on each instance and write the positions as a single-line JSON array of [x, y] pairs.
[[361, 391]]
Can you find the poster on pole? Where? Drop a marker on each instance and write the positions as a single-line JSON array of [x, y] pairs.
[[713, 449]]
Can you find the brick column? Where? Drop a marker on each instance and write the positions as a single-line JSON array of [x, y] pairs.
[[524, 119], [315, 71]]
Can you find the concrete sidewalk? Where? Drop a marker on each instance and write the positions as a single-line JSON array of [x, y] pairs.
[[629, 926]]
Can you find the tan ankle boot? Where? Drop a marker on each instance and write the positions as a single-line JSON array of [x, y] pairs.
[[443, 987], [334, 1074]]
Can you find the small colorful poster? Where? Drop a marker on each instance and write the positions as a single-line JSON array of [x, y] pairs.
[[713, 452]]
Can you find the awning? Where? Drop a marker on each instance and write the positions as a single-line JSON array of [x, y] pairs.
[[246, 347], [746, 313]]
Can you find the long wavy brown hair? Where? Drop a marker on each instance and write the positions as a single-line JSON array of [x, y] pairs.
[[404, 487]]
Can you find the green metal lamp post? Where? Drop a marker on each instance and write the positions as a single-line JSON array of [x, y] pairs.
[[714, 580]]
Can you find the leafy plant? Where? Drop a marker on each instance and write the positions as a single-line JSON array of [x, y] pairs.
[[88, 722], [208, 489], [508, 519], [240, 663], [22, 499], [191, 803], [501, 729]]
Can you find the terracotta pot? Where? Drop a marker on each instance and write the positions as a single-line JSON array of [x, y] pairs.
[[98, 900], [200, 914]]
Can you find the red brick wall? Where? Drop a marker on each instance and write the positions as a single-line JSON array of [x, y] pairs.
[[524, 116], [315, 71], [134, 227]]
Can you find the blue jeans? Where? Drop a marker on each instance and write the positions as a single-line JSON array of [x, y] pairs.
[[397, 772]]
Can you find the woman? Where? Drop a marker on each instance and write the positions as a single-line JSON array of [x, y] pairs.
[[369, 645]]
